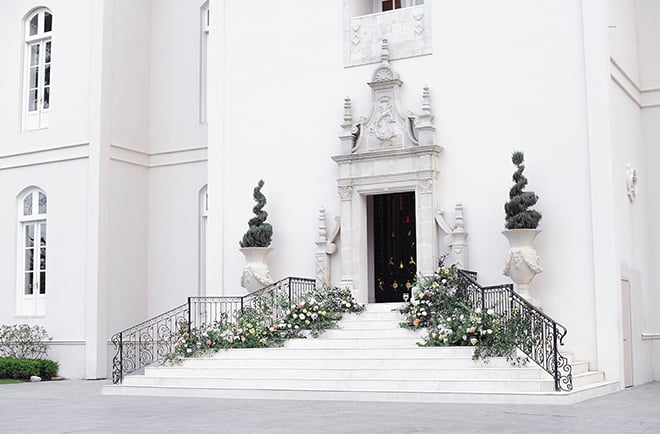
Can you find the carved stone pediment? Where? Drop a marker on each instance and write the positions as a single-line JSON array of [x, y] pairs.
[[387, 127]]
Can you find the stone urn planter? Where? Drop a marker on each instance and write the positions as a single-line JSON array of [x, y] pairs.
[[523, 262], [255, 273], [255, 245]]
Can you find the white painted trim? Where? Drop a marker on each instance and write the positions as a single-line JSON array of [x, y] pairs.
[[650, 336], [150, 160], [643, 98], [37, 157], [79, 342]]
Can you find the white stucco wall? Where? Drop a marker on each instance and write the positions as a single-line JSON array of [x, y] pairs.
[[65, 186], [173, 235], [70, 76], [131, 74], [174, 76], [635, 33], [506, 79]]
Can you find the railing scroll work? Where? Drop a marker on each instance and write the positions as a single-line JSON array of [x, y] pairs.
[[540, 336], [150, 341]]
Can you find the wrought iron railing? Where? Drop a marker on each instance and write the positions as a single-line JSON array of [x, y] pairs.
[[540, 337], [150, 341]]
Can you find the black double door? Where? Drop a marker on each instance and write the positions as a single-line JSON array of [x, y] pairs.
[[395, 249]]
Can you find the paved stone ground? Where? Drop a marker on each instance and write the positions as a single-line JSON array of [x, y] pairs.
[[78, 407]]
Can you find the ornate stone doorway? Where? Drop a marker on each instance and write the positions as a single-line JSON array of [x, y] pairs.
[[392, 154], [395, 245]]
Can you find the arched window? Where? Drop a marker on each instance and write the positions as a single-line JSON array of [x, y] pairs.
[[36, 75], [32, 206]]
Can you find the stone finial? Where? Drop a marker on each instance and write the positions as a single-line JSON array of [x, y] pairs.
[[385, 52], [426, 100], [347, 136], [323, 229], [348, 115], [424, 126], [460, 223]]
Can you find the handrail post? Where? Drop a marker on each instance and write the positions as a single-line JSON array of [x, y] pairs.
[[555, 358], [290, 296], [189, 314], [121, 357]]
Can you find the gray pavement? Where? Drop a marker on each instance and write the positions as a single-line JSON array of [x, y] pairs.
[[71, 406]]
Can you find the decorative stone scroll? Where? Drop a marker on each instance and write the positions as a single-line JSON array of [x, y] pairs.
[[456, 237], [325, 247]]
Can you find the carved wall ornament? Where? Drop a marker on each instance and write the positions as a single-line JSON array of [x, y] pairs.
[[383, 74], [631, 182], [387, 127], [345, 192], [425, 185]]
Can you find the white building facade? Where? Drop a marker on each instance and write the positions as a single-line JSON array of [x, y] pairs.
[[126, 173]]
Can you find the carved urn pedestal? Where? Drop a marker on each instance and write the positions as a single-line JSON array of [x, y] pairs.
[[523, 263], [255, 273]]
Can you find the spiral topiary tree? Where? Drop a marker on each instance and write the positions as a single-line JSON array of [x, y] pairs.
[[518, 214], [260, 233]]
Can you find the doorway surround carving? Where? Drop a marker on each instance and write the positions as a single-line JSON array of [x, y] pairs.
[[387, 152]]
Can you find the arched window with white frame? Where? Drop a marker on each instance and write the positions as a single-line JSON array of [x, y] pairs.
[[36, 73], [32, 245]]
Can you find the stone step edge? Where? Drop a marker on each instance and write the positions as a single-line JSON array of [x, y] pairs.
[[410, 380], [363, 394]]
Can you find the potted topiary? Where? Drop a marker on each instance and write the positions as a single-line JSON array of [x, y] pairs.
[[255, 245], [521, 229]]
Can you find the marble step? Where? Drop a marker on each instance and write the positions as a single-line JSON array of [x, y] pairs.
[[362, 372], [409, 351], [374, 315], [371, 334], [368, 324], [376, 364], [354, 342], [422, 384], [539, 398]]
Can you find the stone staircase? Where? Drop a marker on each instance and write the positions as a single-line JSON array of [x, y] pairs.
[[368, 358]]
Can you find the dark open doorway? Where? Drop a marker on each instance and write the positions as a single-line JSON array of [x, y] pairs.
[[394, 241]]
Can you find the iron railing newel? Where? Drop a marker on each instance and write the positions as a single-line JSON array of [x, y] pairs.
[[555, 358], [121, 355], [189, 314]]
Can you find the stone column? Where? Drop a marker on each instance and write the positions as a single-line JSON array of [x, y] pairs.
[[427, 256], [322, 258], [346, 206]]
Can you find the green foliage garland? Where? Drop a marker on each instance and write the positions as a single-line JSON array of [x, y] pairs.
[[260, 233], [518, 214], [440, 305], [268, 322]]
